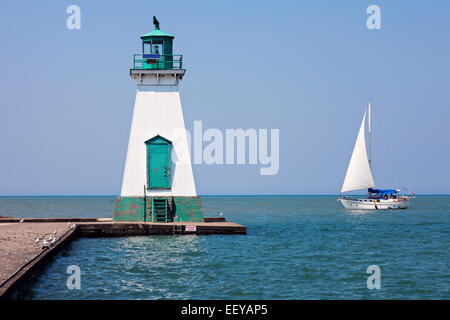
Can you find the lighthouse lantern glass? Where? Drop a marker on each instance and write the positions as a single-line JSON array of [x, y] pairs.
[[147, 48]]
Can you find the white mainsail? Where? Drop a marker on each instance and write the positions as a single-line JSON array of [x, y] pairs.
[[359, 175]]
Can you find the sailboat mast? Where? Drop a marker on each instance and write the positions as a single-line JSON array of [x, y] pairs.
[[370, 134]]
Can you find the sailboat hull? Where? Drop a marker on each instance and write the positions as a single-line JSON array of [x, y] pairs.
[[372, 204]]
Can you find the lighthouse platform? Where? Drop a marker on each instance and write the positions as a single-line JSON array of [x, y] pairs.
[[22, 259]]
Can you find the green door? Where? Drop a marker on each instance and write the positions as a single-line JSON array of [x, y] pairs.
[[158, 163]]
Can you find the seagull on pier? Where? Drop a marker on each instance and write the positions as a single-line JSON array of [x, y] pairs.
[[54, 233], [53, 241], [68, 224], [221, 214], [46, 245], [21, 221], [37, 239]]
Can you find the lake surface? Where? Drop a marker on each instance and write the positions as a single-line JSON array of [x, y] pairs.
[[297, 247]]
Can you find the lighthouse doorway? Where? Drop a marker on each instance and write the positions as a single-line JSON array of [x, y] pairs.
[[158, 163]]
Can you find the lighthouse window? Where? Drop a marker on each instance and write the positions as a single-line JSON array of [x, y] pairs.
[[147, 47], [157, 49]]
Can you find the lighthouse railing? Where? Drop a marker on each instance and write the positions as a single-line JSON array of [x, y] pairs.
[[158, 62]]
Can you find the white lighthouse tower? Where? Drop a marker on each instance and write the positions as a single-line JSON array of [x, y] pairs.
[[158, 183]]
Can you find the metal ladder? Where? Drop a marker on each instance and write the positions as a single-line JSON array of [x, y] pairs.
[[159, 209]]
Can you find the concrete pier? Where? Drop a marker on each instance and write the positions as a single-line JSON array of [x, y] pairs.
[[22, 259]]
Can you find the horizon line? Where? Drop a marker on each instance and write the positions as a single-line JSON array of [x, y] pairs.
[[203, 195]]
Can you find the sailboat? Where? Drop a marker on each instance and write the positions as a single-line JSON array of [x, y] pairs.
[[359, 177]]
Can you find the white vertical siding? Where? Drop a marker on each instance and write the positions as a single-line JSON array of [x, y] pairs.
[[157, 110]]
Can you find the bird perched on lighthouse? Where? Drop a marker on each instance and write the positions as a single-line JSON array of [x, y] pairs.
[[156, 22]]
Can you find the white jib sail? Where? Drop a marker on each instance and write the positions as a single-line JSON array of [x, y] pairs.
[[358, 174]]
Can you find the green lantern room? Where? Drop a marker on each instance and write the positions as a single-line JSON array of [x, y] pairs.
[[157, 52]]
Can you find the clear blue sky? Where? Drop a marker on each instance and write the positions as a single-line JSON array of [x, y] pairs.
[[304, 67]]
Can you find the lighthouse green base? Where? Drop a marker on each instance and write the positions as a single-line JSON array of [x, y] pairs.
[[139, 209]]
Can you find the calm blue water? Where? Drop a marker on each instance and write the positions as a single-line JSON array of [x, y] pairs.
[[297, 247]]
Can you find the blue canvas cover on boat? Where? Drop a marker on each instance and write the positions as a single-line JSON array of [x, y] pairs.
[[382, 191]]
